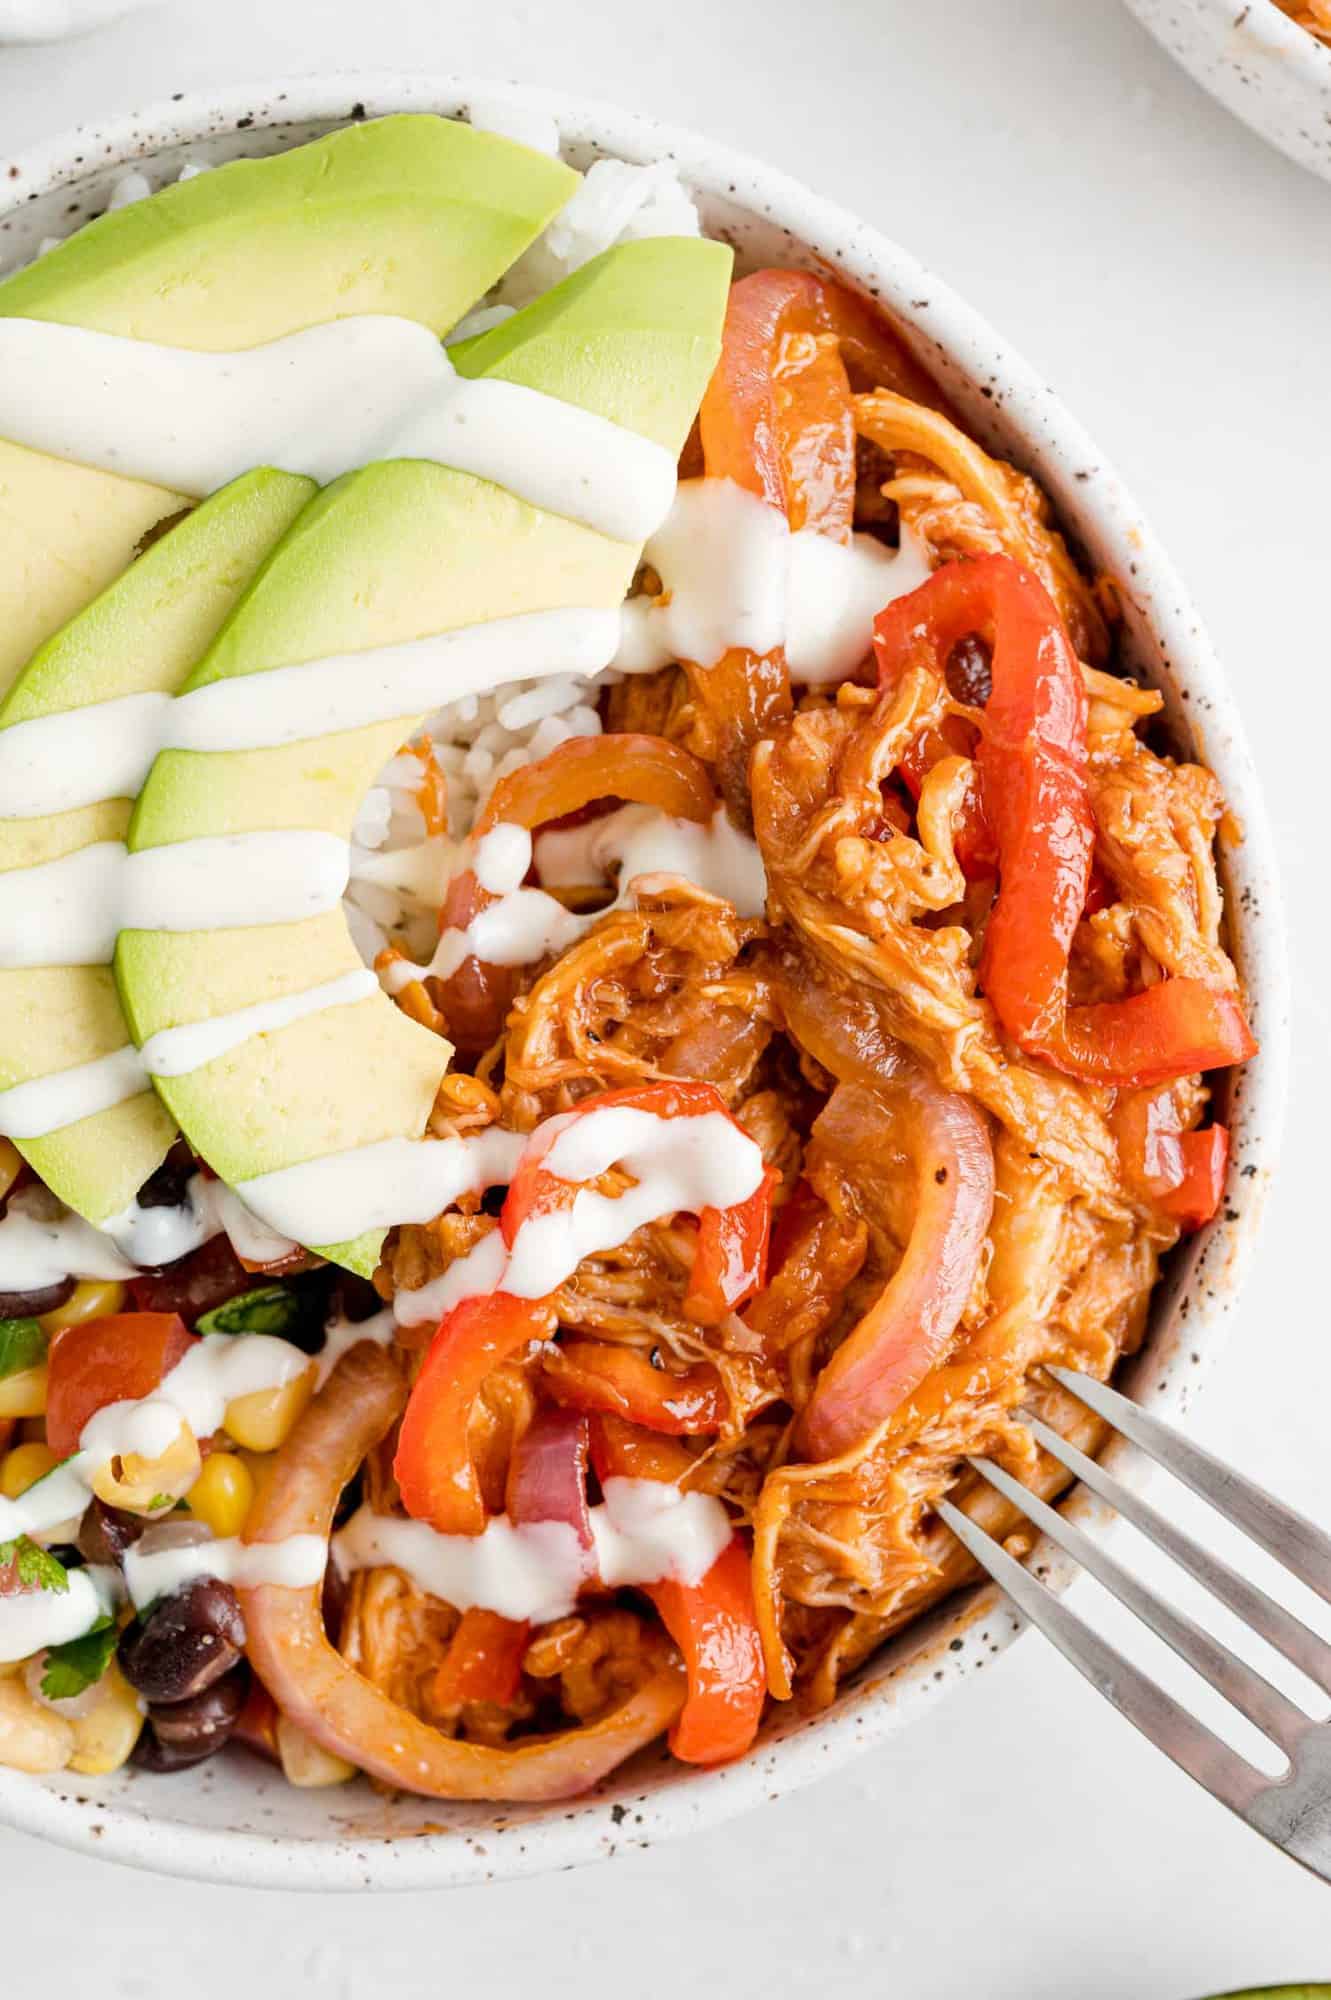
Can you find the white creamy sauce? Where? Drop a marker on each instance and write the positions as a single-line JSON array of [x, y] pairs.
[[336, 1197], [685, 1163], [228, 881], [644, 1531], [349, 690], [63, 912], [735, 575], [216, 1370], [35, 1619], [70, 911], [502, 858], [54, 763], [639, 841], [297, 1562], [180, 1051], [469, 1277], [48, 1103], [341, 1335], [42, 1243], [321, 402]]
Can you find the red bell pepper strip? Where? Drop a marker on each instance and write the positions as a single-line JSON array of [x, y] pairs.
[[434, 1468], [712, 1622], [595, 1376], [1182, 1173], [113, 1360], [483, 1661], [730, 1260], [1032, 768]]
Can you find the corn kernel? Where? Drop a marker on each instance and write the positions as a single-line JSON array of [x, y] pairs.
[[265, 1418], [91, 1298], [32, 1737], [104, 1737], [223, 1493], [24, 1394], [11, 1162], [136, 1483], [24, 1466], [306, 1763]]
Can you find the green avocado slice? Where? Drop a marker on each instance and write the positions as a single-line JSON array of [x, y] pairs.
[[141, 636], [412, 215], [399, 551]]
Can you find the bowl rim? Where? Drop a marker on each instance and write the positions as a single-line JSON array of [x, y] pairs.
[[1261, 66], [968, 1630]]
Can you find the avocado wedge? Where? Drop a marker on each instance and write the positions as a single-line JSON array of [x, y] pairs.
[[397, 552], [140, 637], [412, 215]]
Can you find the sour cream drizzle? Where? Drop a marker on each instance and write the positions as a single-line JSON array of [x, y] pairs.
[[320, 402], [685, 1163], [42, 1243], [644, 1531], [48, 1103], [298, 1561], [527, 924], [735, 575], [336, 1197]]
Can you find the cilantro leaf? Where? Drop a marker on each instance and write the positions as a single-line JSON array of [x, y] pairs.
[[22, 1345], [79, 1662], [36, 1568], [270, 1309], [161, 1500]]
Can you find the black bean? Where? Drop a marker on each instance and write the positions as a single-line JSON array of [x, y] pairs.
[[203, 1723], [27, 1305], [166, 1187], [184, 1643], [969, 671], [106, 1532], [354, 1298]]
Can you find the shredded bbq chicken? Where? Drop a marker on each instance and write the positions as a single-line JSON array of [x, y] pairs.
[[868, 957]]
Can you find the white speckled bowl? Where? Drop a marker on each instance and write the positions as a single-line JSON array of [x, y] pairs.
[[1258, 63], [234, 1820]]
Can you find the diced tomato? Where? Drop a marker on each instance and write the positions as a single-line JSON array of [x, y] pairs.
[[118, 1359]]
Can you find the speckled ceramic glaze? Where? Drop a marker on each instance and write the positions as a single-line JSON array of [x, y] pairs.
[[1258, 63], [233, 1820]]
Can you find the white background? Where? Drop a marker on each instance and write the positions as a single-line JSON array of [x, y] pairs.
[[1170, 275]]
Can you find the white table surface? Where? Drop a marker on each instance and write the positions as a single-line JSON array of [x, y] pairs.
[[1170, 274]]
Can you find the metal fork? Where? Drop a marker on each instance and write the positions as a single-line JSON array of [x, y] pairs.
[[1292, 1810]]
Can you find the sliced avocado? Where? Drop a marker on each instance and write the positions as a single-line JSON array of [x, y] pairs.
[[141, 636], [398, 551], [412, 215]]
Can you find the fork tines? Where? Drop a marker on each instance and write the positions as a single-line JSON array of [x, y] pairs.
[[1293, 1810]]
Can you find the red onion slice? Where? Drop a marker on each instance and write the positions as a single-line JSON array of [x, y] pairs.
[[314, 1685], [908, 1328], [547, 1479]]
